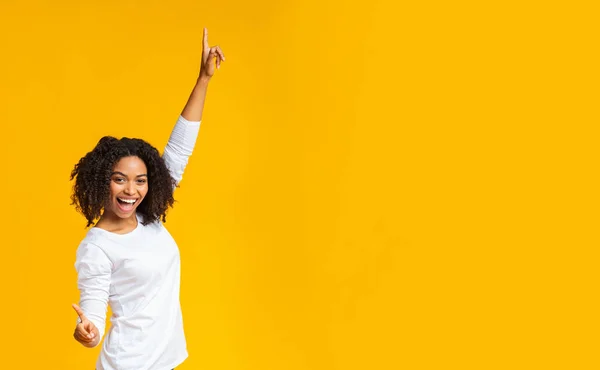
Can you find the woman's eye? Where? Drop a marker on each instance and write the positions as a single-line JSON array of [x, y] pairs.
[[119, 180], [141, 181]]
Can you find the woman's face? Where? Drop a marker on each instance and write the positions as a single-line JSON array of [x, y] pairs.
[[128, 186]]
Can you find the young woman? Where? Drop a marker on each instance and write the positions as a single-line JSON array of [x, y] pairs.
[[128, 259]]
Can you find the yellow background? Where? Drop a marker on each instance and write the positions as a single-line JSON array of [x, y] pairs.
[[376, 185]]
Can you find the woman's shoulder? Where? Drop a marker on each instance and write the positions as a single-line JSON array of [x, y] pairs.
[[93, 238], [91, 251]]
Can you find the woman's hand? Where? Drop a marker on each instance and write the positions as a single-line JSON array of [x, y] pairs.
[[211, 56], [86, 332], [211, 60]]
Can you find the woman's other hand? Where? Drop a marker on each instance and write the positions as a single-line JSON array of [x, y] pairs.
[[86, 332]]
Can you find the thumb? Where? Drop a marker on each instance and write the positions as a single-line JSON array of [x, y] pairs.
[[90, 329], [89, 326], [83, 329]]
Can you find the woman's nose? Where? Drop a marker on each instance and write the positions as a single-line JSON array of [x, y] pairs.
[[130, 188]]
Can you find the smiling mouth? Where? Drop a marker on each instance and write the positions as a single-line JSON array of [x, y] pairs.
[[126, 204], [127, 201]]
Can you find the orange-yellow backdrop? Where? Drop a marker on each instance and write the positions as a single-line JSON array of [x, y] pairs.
[[377, 185]]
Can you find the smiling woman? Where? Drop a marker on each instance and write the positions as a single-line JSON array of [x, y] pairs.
[[128, 259], [116, 172]]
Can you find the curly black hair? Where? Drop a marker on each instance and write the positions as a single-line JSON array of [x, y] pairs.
[[92, 174]]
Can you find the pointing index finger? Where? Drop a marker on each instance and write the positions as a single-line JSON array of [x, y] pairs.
[[79, 312], [205, 39]]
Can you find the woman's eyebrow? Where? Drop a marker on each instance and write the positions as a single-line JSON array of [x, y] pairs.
[[122, 174]]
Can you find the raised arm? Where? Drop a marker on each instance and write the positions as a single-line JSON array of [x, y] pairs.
[[183, 138], [211, 59]]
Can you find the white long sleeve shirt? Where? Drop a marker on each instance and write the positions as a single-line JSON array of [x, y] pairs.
[[138, 274]]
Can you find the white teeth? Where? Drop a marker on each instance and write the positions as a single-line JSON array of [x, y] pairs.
[[130, 201]]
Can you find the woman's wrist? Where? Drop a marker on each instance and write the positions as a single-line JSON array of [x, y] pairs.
[[203, 80]]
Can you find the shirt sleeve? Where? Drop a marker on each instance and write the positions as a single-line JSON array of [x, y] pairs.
[[93, 280], [180, 146]]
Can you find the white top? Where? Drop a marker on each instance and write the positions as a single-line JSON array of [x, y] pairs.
[[138, 274]]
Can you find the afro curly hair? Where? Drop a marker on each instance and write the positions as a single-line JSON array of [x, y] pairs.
[[92, 175]]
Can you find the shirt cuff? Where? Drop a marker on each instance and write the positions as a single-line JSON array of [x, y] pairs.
[[188, 122]]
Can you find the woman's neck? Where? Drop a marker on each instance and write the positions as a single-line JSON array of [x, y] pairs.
[[113, 223]]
